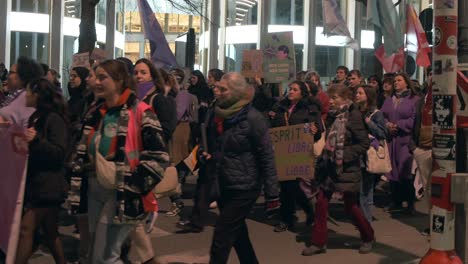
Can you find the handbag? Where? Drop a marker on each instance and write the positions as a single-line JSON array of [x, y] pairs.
[[378, 160], [320, 144], [105, 170]]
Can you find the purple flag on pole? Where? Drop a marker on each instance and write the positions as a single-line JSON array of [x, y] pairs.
[[161, 54]]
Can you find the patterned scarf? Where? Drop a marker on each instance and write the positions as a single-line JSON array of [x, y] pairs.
[[11, 97], [334, 146]]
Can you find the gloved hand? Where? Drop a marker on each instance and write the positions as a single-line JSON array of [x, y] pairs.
[[375, 143], [150, 220], [202, 155], [272, 206]]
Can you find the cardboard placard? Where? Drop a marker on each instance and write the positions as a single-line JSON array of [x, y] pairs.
[[81, 60], [278, 57], [294, 151], [252, 63]]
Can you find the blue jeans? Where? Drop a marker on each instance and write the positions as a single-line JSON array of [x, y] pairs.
[[366, 196], [107, 237]]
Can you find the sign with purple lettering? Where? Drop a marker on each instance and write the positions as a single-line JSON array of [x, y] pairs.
[[294, 151]]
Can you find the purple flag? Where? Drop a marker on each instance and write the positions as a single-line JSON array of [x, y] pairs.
[[161, 54], [13, 154]]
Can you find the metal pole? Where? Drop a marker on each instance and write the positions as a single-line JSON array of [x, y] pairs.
[[5, 42], [213, 27], [461, 225], [56, 35], [444, 76], [310, 28], [110, 29]]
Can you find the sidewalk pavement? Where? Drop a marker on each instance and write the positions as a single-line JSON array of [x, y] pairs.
[[398, 239]]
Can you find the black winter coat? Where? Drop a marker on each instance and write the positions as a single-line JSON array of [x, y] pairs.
[[356, 145], [243, 153], [45, 182], [306, 111]]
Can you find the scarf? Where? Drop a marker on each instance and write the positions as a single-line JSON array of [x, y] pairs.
[[143, 89], [231, 111], [334, 146], [11, 97], [398, 96]]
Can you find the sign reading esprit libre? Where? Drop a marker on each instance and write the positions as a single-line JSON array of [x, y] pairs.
[[294, 151]]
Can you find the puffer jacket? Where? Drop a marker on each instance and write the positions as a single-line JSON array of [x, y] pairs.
[[243, 153], [356, 144], [307, 110]]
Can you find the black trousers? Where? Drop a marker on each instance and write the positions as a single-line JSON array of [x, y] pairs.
[[205, 193], [291, 194], [231, 229], [403, 191]]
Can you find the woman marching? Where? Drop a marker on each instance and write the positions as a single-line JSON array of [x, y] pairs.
[[339, 169], [293, 110], [375, 122], [114, 136], [46, 186]]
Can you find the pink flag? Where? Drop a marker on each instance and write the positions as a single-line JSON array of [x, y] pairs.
[[392, 63], [416, 38]]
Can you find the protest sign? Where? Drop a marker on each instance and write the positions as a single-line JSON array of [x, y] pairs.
[[278, 57], [252, 63], [294, 151], [14, 150], [80, 60]]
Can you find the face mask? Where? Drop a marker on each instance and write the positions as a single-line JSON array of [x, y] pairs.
[[143, 89]]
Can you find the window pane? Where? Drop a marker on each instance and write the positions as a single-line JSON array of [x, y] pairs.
[[37, 6], [287, 12], [241, 13]]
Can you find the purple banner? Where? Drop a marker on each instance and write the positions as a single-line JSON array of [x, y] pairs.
[[13, 157]]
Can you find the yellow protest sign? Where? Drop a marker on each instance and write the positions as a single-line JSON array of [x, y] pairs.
[[294, 151]]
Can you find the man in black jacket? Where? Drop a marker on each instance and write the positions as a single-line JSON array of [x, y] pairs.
[[242, 154]]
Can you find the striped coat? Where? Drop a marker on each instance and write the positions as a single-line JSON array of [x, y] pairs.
[[141, 158]]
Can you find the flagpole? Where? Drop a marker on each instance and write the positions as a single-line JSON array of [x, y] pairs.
[[402, 14]]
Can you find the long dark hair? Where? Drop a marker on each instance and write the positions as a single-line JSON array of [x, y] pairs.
[[408, 82], [48, 99], [371, 95], [156, 75]]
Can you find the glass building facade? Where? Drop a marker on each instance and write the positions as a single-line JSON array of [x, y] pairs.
[[241, 23]]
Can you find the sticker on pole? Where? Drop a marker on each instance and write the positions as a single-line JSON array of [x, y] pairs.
[[444, 111], [438, 223]]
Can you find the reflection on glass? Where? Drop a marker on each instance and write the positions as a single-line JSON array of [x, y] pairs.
[[241, 12], [233, 60], [287, 12], [31, 44], [72, 9], [101, 13], [36, 6]]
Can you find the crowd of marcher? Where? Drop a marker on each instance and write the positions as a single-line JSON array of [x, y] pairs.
[[104, 150]]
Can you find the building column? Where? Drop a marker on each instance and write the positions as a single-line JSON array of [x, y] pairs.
[[310, 31], [214, 37], [357, 34], [263, 21], [351, 21], [110, 29], [5, 10], [222, 37], [56, 35]]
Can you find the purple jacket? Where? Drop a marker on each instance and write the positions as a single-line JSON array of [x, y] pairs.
[[403, 115]]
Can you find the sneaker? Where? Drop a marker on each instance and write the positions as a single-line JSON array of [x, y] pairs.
[[281, 227], [366, 247], [175, 209], [188, 227], [314, 250]]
